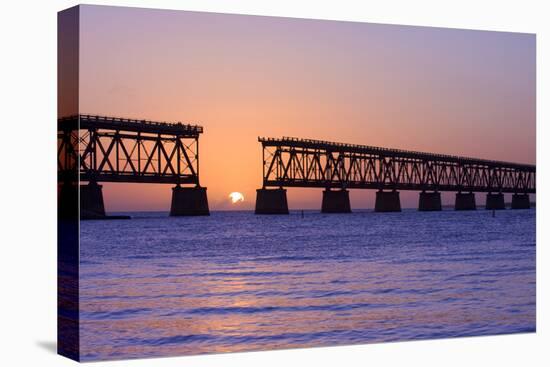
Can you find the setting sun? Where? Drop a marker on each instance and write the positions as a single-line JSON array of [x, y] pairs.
[[236, 197]]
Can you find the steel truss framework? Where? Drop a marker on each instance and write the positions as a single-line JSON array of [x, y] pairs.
[[113, 149], [293, 162]]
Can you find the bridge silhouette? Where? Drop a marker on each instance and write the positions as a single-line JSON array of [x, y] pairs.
[[94, 149], [337, 167]]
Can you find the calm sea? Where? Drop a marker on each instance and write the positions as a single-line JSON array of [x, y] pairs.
[[234, 281]]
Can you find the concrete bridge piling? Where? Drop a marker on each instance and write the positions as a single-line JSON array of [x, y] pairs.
[[387, 201], [495, 201], [91, 201], [429, 201], [336, 201], [520, 201], [271, 201], [187, 201], [465, 201]]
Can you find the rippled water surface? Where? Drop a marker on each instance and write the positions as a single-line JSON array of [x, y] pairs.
[[156, 285]]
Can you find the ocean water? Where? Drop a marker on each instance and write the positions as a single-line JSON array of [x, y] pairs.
[[233, 281]]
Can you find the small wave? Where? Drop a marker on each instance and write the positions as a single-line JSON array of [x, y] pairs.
[[114, 315], [88, 262], [383, 291], [255, 273], [284, 258], [176, 339], [433, 271], [143, 257], [320, 336], [269, 309], [494, 273], [328, 294], [339, 281]]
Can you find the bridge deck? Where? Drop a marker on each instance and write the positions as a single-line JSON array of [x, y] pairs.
[[125, 124]]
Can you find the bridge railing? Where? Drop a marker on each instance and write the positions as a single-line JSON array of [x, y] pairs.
[[85, 121]]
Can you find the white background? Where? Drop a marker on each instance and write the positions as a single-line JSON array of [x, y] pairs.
[[28, 177]]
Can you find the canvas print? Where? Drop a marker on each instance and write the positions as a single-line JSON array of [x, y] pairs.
[[238, 183]]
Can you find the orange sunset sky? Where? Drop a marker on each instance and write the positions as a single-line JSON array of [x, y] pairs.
[[439, 90]]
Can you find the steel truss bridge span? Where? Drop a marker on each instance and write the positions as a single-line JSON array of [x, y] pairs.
[[293, 162], [112, 149], [94, 149]]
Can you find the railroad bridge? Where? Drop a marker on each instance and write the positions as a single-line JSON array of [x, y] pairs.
[[94, 149], [337, 167]]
